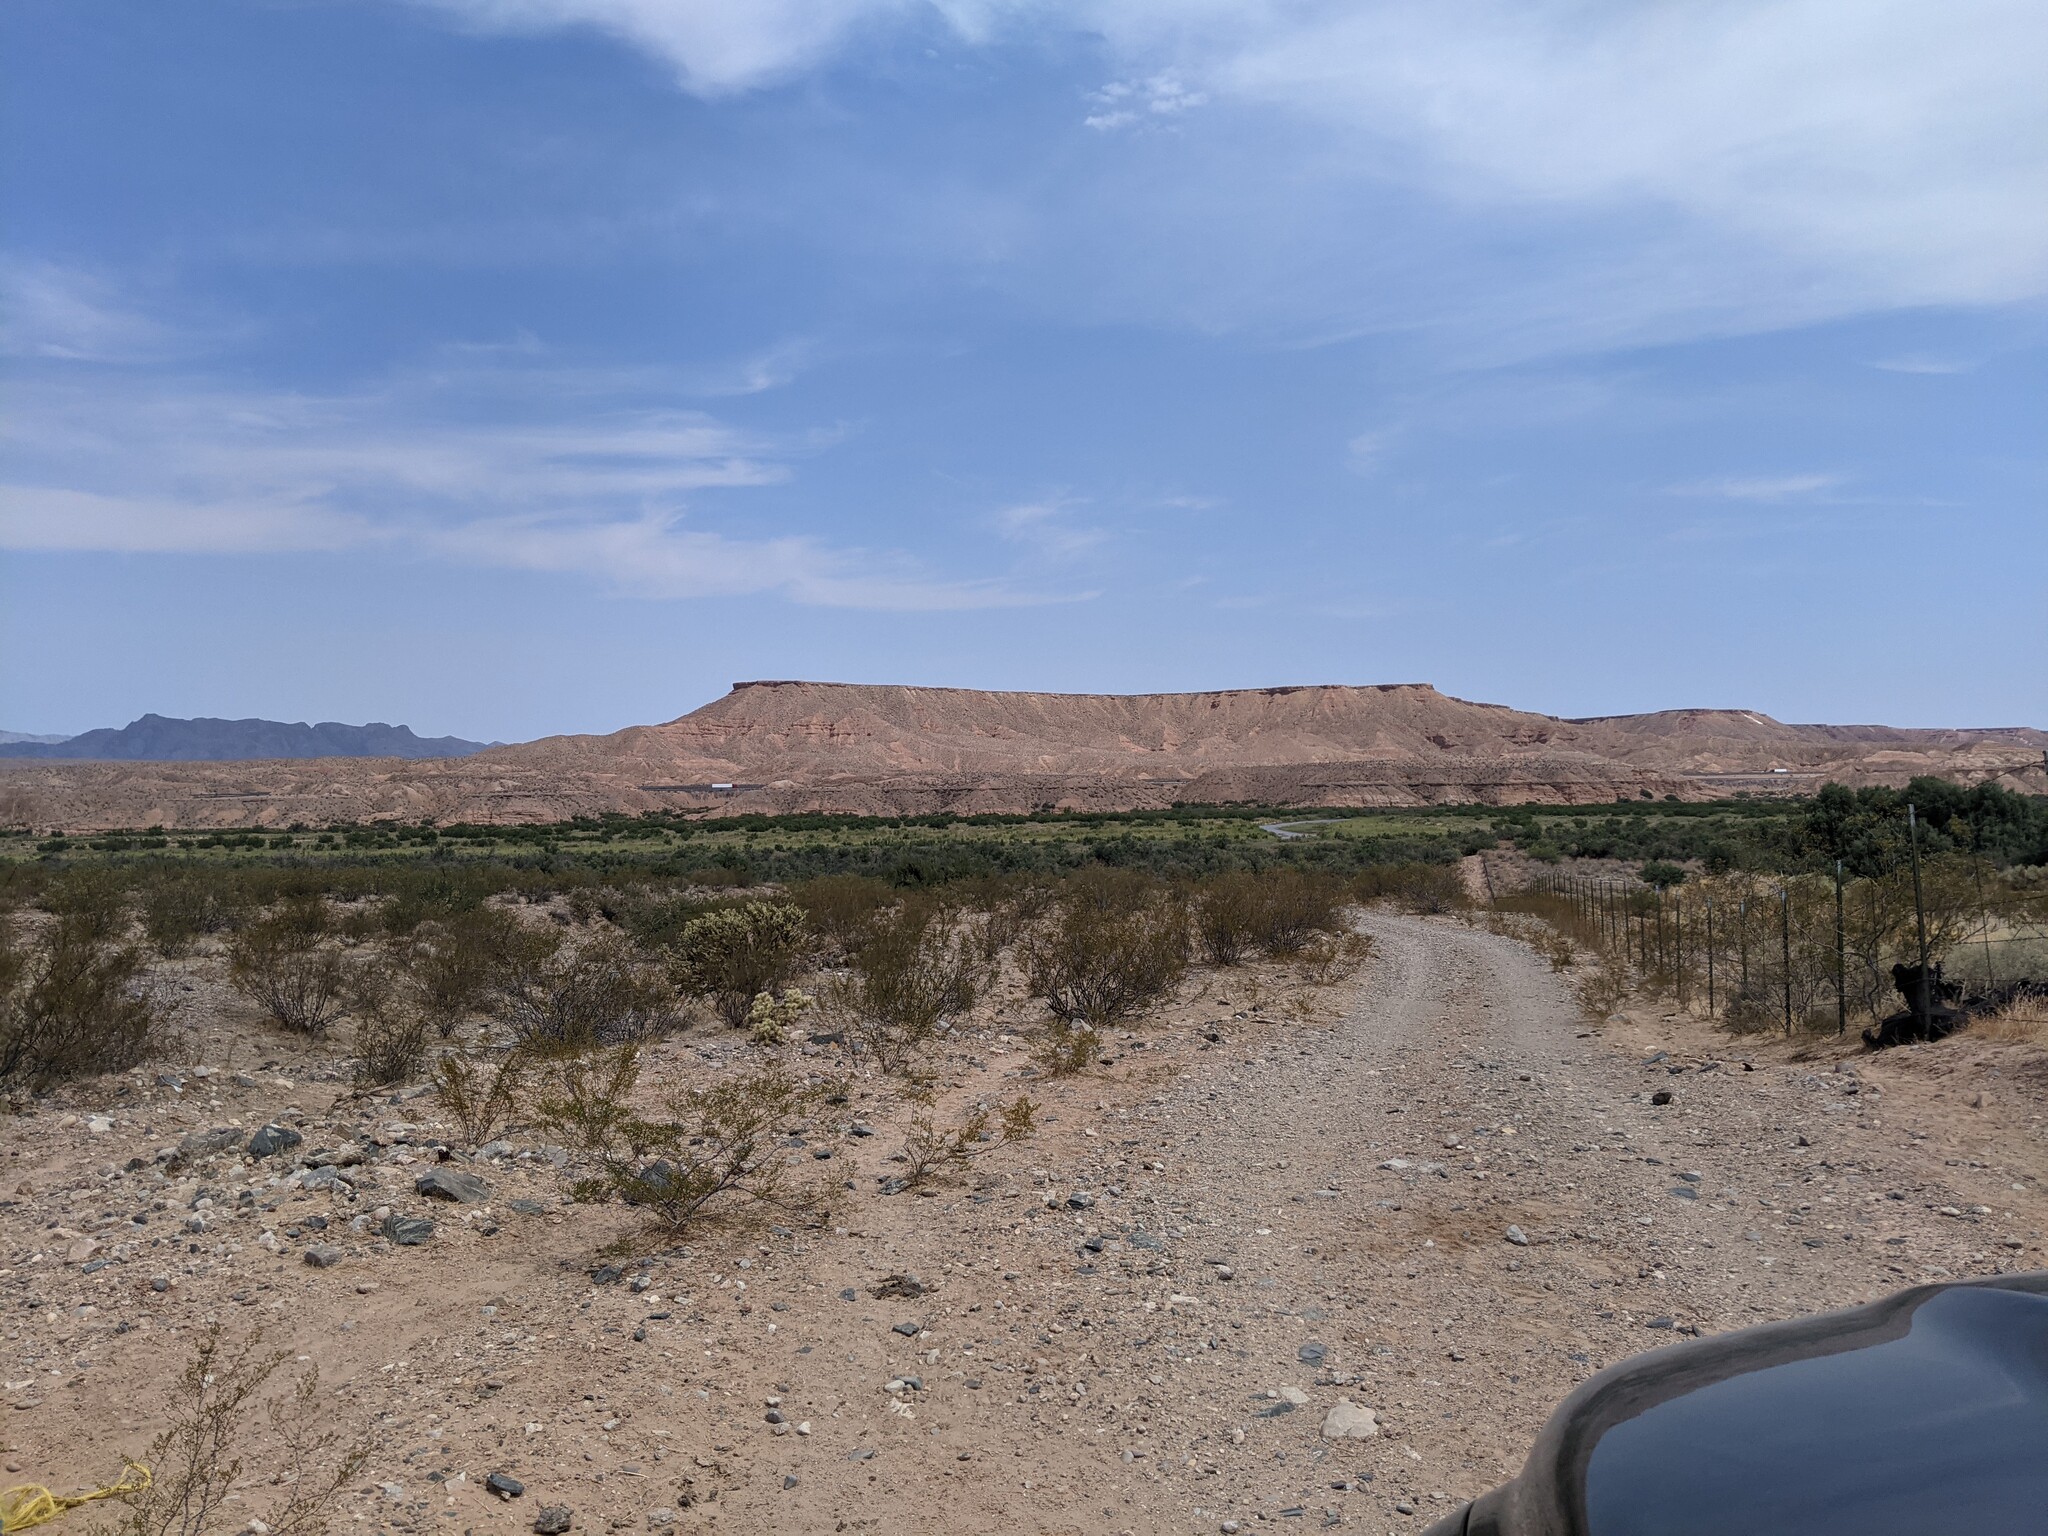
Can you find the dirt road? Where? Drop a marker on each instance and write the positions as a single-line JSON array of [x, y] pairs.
[[1136, 1322], [1366, 1187]]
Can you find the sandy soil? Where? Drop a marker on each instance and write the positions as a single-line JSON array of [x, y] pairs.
[[1138, 1321]]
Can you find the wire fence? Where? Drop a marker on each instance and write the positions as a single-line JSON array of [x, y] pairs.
[[1809, 952]]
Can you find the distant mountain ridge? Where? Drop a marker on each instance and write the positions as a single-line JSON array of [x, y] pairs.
[[778, 748], [161, 739]]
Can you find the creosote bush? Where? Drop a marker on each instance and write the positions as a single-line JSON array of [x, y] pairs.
[[1425, 889], [1113, 944], [73, 1001], [480, 1090], [911, 968], [450, 963], [197, 1461], [703, 1146], [733, 955], [1275, 912], [932, 1149], [838, 908], [390, 1028], [177, 909], [284, 963], [566, 997]]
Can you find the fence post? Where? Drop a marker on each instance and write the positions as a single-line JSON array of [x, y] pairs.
[[1742, 940], [1842, 961], [1785, 941], [1710, 957], [1678, 943]]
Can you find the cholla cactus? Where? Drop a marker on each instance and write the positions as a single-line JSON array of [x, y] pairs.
[[771, 1018]]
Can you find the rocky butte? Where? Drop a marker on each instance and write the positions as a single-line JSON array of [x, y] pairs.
[[883, 749]]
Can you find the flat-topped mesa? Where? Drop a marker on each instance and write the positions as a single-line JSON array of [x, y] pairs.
[[780, 746]]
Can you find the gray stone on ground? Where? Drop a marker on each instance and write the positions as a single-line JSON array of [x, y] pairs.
[[1347, 1420], [407, 1231], [194, 1145], [553, 1520], [503, 1486], [323, 1255], [272, 1139], [452, 1184], [1518, 1237]]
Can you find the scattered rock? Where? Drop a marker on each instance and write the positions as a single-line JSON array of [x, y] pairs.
[[194, 1145], [1661, 1096], [504, 1486], [272, 1139], [407, 1231], [323, 1255], [1517, 1236], [553, 1520], [452, 1184]]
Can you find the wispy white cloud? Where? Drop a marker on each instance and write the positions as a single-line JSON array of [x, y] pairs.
[[54, 312], [1676, 168], [1126, 103], [1365, 451], [1761, 488], [715, 46], [596, 488], [1048, 528], [1929, 365]]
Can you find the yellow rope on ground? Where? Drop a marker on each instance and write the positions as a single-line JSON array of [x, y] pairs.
[[32, 1504]]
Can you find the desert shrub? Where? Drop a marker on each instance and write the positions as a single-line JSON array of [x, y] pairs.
[[557, 996], [932, 1149], [284, 964], [1113, 944], [914, 967], [479, 1089], [704, 1145], [654, 918], [838, 908], [1427, 889], [1601, 986], [73, 1002], [390, 1027], [1328, 958], [450, 963], [1273, 912], [733, 955], [177, 909], [93, 898], [219, 1413], [2023, 1019]]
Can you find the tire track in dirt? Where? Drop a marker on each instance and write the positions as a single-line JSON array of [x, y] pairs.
[[1359, 1183]]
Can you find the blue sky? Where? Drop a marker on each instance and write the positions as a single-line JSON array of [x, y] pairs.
[[504, 367]]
